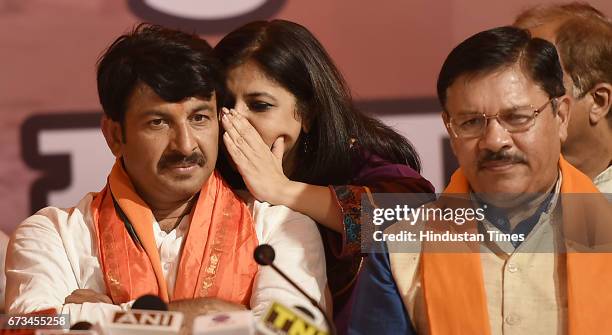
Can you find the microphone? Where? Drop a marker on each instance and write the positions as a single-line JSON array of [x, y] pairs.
[[150, 302], [81, 325], [149, 316], [282, 320], [264, 255], [224, 323], [144, 322]]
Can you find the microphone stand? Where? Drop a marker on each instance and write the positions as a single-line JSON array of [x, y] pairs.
[[264, 255]]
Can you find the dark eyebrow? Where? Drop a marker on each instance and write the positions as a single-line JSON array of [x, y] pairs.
[[467, 112], [260, 94], [505, 110], [516, 108], [154, 112], [205, 107]]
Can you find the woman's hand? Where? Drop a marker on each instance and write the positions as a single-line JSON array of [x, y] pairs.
[[261, 167]]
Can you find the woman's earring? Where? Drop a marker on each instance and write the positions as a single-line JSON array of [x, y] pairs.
[[305, 145]]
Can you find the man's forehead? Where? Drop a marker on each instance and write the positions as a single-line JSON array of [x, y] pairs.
[[502, 83], [144, 97], [506, 88]]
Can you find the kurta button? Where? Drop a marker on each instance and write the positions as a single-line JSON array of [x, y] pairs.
[[512, 319]]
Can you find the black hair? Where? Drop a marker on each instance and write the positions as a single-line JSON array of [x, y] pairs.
[[175, 64], [501, 47], [290, 55]]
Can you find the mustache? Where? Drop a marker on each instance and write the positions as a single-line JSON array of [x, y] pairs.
[[503, 155], [175, 158]]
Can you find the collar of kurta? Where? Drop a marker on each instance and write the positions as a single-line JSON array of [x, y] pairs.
[[453, 283], [217, 254], [604, 180]]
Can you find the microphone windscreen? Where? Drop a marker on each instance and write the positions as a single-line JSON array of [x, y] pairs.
[[143, 322], [81, 325], [282, 320], [150, 302], [264, 254]]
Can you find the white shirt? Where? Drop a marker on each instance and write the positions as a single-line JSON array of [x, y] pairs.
[[54, 252]]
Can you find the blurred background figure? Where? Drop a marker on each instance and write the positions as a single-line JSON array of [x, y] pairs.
[[583, 37]]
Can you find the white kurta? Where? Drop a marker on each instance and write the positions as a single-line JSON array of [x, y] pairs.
[[54, 252], [525, 290], [604, 182]]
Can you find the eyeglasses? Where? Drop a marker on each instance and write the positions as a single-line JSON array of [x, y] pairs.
[[513, 121]]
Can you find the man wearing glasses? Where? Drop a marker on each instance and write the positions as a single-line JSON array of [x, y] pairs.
[[505, 109]]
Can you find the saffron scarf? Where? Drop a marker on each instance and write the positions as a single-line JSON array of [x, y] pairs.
[[453, 283], [217, 252]]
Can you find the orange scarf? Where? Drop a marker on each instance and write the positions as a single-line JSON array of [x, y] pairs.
[[453, 283], [217, 253]]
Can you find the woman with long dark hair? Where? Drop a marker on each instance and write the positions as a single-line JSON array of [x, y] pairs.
[[293, 131]]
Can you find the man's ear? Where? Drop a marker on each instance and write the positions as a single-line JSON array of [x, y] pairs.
[[451, 134], [563, 115], [602, 101], [445, 117], [112, 133], [446, 120]]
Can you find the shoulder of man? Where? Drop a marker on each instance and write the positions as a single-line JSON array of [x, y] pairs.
[[55, 219]]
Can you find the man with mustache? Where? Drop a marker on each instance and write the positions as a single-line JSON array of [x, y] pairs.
[[166, 223], [582, 35], [538, 260]]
